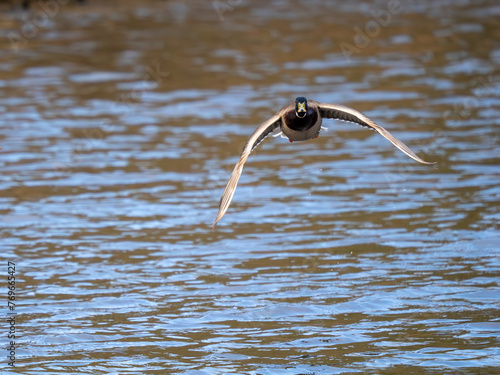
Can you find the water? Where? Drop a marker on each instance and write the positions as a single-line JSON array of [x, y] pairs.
[[120, 124]]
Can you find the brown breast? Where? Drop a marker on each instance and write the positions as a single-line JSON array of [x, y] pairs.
[[300, 124]]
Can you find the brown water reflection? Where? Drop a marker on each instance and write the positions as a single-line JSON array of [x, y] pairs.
[[120, 124]]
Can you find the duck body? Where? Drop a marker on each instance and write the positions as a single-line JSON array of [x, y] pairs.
[[301, 121], [301, 128]]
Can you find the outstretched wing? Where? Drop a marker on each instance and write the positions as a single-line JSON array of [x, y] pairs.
[[341, 112], [258, 136]]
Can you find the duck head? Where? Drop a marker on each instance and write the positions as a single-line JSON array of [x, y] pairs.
[[301, 107]]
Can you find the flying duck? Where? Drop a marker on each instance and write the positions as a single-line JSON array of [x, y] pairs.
[[300, 121]]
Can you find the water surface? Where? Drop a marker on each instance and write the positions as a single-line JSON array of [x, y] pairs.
[[120, 124]]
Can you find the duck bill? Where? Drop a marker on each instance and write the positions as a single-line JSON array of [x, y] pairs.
[[301, 110]]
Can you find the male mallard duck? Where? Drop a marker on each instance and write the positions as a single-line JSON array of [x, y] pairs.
[[301, 121]]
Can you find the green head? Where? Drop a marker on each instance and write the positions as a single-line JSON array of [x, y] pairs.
[[301, 107]]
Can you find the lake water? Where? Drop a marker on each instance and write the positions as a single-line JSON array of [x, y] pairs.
[[120, 124]]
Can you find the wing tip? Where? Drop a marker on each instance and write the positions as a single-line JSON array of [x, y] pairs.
[[427, 162], [217, 219], [432, 164]]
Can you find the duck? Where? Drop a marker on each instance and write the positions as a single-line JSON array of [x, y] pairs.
[[300, 121]]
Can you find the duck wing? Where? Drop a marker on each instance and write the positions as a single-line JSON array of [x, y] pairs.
[[337, 111], [257, 136]]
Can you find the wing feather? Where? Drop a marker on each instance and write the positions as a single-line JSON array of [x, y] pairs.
[[257, 136], [337, 111]]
